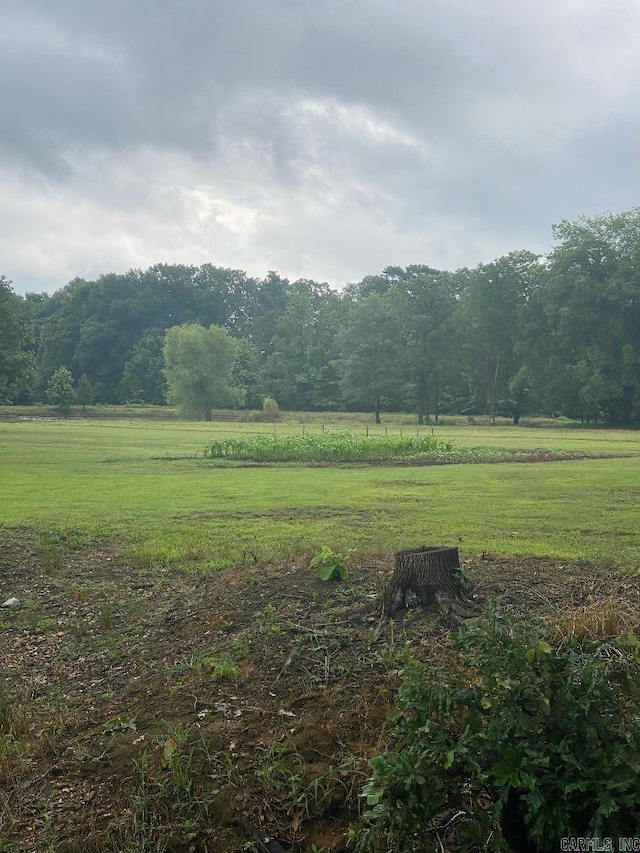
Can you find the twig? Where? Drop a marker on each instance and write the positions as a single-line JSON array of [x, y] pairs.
[[294, 651]]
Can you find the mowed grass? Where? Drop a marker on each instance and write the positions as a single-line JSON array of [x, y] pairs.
[[147, 484]]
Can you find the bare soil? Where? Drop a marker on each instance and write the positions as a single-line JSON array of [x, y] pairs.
[[234, 711]]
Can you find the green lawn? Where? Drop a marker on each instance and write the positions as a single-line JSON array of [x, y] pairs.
[[147, 483]]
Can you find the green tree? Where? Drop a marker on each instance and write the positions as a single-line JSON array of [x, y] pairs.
[[300, 370], [270, 410], [588, 315], [492, 306], [96, 327], [16, 361], [84, 391], [60, 391], [426, 301], [143, 378], [373, 363], [198, 365], [519, 386]]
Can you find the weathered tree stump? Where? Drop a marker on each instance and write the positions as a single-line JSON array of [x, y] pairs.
[[434, 577]]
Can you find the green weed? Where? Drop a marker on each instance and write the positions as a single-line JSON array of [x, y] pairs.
[[330, 565], [51, 552], [221, 667], [168, 807]]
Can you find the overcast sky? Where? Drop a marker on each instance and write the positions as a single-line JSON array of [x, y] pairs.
[[324, 139]]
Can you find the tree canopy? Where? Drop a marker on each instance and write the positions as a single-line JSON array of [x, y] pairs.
[[16, 357], [198, 364], [555, 334]]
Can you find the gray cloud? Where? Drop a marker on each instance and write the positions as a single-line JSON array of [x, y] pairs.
[[321, 139]]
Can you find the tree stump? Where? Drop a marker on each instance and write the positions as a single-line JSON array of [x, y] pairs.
[[434, 577]]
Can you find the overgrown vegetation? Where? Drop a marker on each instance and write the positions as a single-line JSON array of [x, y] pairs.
[[343, 446], [509, 733]]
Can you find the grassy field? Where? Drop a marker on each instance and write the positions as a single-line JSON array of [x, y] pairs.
[[147, 483], [176, 676]]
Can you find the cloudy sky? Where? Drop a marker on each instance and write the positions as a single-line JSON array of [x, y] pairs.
[[323, 139]]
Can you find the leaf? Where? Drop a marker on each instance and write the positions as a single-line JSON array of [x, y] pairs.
[[324, 556], [169, 750], [326, 572], [508, 769]]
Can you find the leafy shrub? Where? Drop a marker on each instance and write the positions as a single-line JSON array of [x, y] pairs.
[[510, 732], [60, 390], [270, 410]]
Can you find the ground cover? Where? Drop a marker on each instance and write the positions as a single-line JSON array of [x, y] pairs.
[[179, 678], [163, 711]]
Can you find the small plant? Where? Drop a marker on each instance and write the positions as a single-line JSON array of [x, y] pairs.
[[105, 615], [60, 389], [119, 725], [266, 620], [270, 410], [221, 666], [51, 551], [330, 565], [167, 806]]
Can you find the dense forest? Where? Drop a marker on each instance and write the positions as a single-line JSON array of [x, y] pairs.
[[556, 334]]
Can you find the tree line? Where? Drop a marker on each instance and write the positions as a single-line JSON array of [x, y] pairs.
[[555, 334]]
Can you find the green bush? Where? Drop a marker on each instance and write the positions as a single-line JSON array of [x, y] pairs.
[[60, 390], [270, 410], [510, 734]]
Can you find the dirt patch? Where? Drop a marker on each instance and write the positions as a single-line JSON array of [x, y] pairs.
[[162, 711]]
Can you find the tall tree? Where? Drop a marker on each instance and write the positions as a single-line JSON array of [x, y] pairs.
[[16, 359], [426, 302], [198, 368], [60, 390], [588, 314], [143, 377], [300, 371], [373, 362], [492, 306]]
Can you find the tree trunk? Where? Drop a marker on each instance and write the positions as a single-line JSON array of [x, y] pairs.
[[492, 387], [433, 575], [423, 405]]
